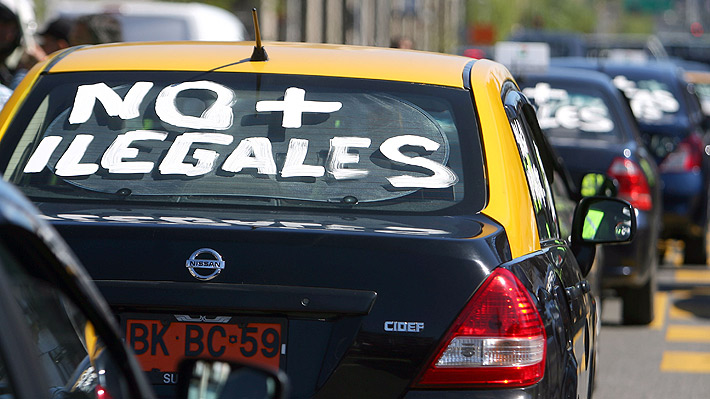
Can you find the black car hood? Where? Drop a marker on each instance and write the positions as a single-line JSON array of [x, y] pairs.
[[337, 278]]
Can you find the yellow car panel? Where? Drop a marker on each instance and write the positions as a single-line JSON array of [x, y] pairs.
[[284, 58], [507, 184]]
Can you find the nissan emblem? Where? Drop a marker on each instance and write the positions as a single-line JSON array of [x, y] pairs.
[[206, 267]]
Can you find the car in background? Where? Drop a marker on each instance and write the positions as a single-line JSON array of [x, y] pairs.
[[681, 45], [701, 86], [561, 43], [628, 48], [697, 74], [59, 338], [590, 125], [674, 129], [160, 20], [297, 210]]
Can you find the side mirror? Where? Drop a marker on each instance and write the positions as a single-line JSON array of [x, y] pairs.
[[219, 379], [597, 184], [600, 220], [603, 220]]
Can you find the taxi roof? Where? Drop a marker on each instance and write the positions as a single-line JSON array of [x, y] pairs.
[[284, 58]]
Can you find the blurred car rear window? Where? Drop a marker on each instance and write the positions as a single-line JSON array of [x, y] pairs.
[[573, 111], [652, 101]]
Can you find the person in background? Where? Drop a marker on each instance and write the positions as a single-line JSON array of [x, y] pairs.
[[402, 42], [55, 35], [10, 39], [95, 29], [62, 33]]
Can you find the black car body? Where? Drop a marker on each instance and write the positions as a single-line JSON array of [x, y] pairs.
[[591, 126], [416, 267], [59, 338], [673, 128]]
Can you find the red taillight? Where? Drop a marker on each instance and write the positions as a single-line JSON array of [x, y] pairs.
[[101, 393], [633, 185], [497, 340], [687, 156]]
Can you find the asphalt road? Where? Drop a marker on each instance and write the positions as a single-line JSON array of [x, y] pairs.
[[670, 358]]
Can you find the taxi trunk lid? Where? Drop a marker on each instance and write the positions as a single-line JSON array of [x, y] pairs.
[[360, 300]]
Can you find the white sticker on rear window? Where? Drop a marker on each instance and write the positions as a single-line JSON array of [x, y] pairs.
[[252, 152], [443, 177], [203, 138], [86, 96], [70, 163], [218, 116], [174, 160], [340, 155], [120, 149], [294, 105], [558, 108], [650, 99], [42, 154], [377, 226], [295, 157]]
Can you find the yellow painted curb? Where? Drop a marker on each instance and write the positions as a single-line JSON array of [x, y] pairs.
[[686, 362], [679, 333], [660, 306], [692, 276]]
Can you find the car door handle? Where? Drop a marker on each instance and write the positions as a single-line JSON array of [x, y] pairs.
[[578, 290]]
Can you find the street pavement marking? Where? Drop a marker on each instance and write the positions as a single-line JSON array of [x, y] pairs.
[[682, 294], [685, 362], [692, 276], [678, 333], [676, 313], [660, 306], [700, 291]]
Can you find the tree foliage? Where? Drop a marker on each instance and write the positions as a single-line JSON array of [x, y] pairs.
[[505, 16]]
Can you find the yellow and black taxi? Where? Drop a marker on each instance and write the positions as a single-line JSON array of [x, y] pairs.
[[374, 222]]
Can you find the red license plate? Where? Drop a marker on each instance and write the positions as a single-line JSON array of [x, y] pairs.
[[161, 341]]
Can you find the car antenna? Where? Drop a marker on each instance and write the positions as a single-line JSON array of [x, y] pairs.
[[259, 53]]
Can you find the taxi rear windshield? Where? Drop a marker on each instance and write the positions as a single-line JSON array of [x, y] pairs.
[[246, 139]]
